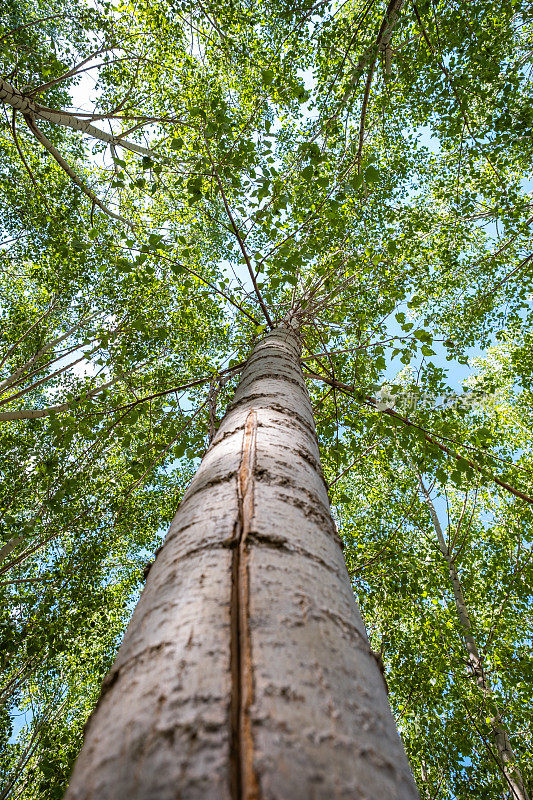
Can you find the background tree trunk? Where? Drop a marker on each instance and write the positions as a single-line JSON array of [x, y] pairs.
[[245, 671], [512, 775]]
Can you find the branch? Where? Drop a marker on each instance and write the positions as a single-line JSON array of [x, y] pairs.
[[13, 378], [33, 548], [383, 38], [28, 107], [370, 401], [241, 243], [26, 332], [211, 285], [37, 413], [63, 368], [364, 107], [382, 43], [25, 163], [47, 144], [354, 462], [181, 387], [9, 546]]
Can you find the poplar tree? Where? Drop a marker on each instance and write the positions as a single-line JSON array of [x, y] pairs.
[[248, 247]]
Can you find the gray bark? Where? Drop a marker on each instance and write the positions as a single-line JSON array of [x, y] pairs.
[[245, 672], [511, 771]]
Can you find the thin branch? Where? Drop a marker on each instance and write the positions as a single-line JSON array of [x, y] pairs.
[[355, 461], [26, 332], [429, 438], [33, 22], [25, 163], [181, 387], [38, 413], [364, 107], [47, 144], [215, 288], [241, 243], [69, 74], [9, 381]]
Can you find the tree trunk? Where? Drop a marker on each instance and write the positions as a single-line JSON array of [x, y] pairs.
[[507, 759], [245, 672]]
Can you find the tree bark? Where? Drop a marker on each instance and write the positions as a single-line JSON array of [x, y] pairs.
[[245, 672], [25, 104]]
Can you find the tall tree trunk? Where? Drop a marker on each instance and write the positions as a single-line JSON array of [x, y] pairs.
[[506, 757], [245, 672]]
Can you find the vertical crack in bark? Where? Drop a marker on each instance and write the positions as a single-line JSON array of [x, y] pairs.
[[244, 784]]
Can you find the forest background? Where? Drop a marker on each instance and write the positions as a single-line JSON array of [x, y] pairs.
[[175, 178]]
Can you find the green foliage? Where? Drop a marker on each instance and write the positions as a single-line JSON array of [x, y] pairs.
[[268, 158]]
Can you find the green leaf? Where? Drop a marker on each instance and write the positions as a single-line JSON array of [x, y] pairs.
[[371, 174]]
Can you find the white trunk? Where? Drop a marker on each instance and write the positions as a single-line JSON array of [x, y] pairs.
[[511, 772], [245, 672]]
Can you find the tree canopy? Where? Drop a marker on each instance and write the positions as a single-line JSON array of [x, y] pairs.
[[175, 178]]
